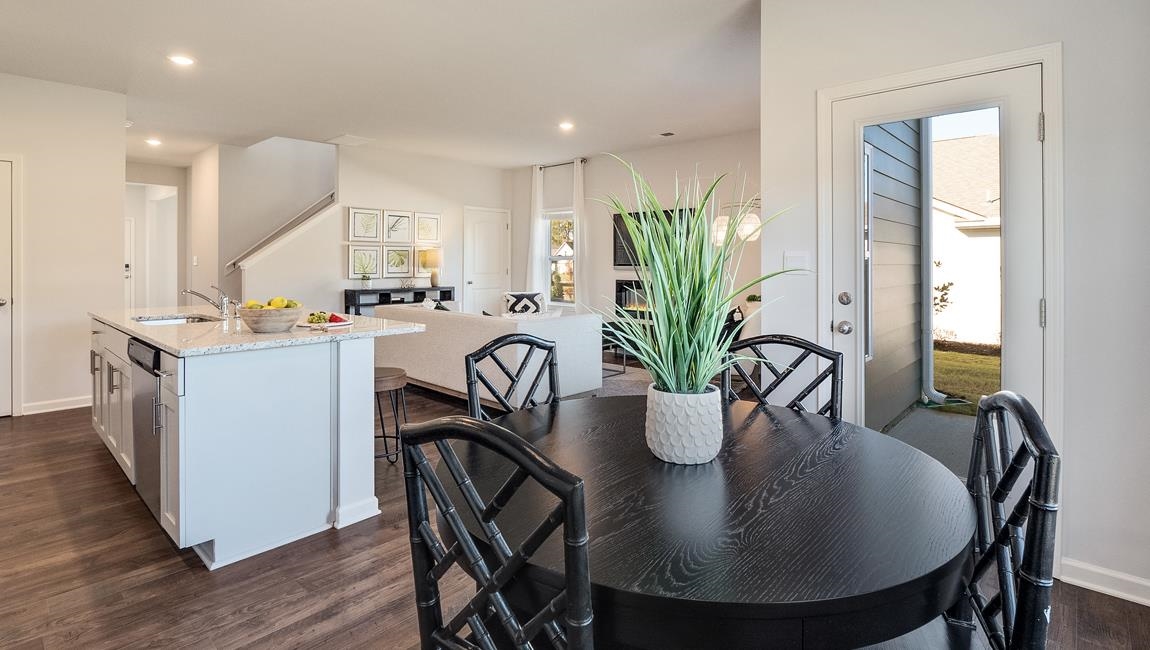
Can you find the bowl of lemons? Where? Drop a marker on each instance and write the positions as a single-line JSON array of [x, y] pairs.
[[276, 315]]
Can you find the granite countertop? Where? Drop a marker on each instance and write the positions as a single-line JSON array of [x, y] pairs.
[[196, 339]]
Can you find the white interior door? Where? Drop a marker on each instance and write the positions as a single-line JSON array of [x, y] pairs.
[[486, 258], [6, 378], [1017, 93]]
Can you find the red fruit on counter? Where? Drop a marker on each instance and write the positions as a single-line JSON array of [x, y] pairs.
[[336, 318]]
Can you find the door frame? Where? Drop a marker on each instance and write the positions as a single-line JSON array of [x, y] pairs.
[[465, 293], [130, 255], [1050, 57], [16, 300]]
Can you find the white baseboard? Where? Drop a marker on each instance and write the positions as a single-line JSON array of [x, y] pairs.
[[356, 512], [208, 551], [32, 408], [1113, 583]]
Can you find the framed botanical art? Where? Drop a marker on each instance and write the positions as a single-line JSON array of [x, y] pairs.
[[398, 262], [426, 228], [364, 224], [363, 260], [397, 227]]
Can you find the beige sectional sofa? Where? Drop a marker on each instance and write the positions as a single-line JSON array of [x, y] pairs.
[[434, 358]]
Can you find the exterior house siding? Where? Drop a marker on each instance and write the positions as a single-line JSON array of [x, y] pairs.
[[894, 374]]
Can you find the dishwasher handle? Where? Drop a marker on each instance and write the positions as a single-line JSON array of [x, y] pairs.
[[159, 413]]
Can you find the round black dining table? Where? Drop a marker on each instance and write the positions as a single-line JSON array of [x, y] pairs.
[[805, 532]]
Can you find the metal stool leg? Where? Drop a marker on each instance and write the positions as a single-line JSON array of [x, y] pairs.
[[382, 420], [391, 456]]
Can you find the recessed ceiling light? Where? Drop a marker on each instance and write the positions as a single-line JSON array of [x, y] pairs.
[[566, 126], [180, 59], [155, 142], [128, 124]]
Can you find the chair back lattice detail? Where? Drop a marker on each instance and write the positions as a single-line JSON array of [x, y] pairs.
[[1018, 616], [514, 397], [431, 559], [764, 390]]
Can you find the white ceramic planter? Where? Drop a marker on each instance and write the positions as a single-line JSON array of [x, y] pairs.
[[684, 428]]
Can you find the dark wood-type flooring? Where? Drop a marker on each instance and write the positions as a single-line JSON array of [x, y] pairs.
[[84, 565]]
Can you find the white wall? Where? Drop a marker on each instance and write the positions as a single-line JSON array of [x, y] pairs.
[[203, 240], [312, 265], [264, 186], [70, 147], [137, 172], [736, 155], [808, 46]]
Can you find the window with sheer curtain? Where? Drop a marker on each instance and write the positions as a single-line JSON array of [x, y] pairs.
[[561, 255]]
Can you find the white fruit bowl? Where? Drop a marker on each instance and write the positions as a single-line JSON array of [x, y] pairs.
[[270, 321]]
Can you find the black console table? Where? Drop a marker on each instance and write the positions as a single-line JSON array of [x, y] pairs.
[[355, 299]]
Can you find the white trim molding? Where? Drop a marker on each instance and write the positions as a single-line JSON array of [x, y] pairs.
[[16, 300], [1050, 57], [1114, 583], [49, 406]]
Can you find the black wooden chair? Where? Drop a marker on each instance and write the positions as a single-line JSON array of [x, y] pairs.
[[1019, 614], [764, 392], [1019, 545], [566, 619], [731, 327], [518, 394]]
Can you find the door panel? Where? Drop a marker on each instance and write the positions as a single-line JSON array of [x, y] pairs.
[[486, 259], [6, 376], [1017, 93]]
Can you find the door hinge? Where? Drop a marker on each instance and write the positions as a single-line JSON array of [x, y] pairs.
[[1042, 312], [1042, 127]]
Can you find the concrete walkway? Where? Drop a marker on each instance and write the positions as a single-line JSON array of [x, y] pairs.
[[944, 436]]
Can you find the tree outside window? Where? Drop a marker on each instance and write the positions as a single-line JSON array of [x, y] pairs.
[[562, 256]]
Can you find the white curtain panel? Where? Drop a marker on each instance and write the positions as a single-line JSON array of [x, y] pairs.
[[538, 276], [585, 294]]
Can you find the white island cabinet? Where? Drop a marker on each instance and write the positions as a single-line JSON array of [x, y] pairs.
[[263, 438]]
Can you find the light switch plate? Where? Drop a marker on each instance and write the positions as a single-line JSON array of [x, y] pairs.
[[797, 260]]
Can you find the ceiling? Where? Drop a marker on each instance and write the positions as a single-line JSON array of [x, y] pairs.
[[485, 82]]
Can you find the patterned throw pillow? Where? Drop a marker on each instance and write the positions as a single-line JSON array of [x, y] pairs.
[[524, 303]]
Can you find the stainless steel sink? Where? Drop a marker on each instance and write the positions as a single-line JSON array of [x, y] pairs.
[[176, 319]]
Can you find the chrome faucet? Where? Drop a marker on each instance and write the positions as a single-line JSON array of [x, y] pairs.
[[221, 303]]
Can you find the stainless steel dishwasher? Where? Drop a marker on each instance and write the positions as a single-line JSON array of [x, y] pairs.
[[148, 416]]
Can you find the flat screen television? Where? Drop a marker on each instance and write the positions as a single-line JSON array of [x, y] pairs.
[[622, 240]]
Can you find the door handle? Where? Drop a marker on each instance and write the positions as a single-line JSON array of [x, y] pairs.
[[845, 298], [470, 282], [3, 302], [845, 327]]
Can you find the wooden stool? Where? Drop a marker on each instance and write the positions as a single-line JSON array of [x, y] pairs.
[[390, 381]]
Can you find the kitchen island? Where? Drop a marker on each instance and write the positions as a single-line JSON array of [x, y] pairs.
[[239, 442]]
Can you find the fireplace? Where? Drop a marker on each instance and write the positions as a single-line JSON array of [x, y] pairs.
[[628, 296]]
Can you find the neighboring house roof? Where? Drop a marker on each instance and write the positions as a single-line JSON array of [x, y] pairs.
[[965, 220], [966, 174]]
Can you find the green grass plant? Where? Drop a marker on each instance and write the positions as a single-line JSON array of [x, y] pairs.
[[687, 279]]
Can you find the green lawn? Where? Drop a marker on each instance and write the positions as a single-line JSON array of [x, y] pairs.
[[966, 376]]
